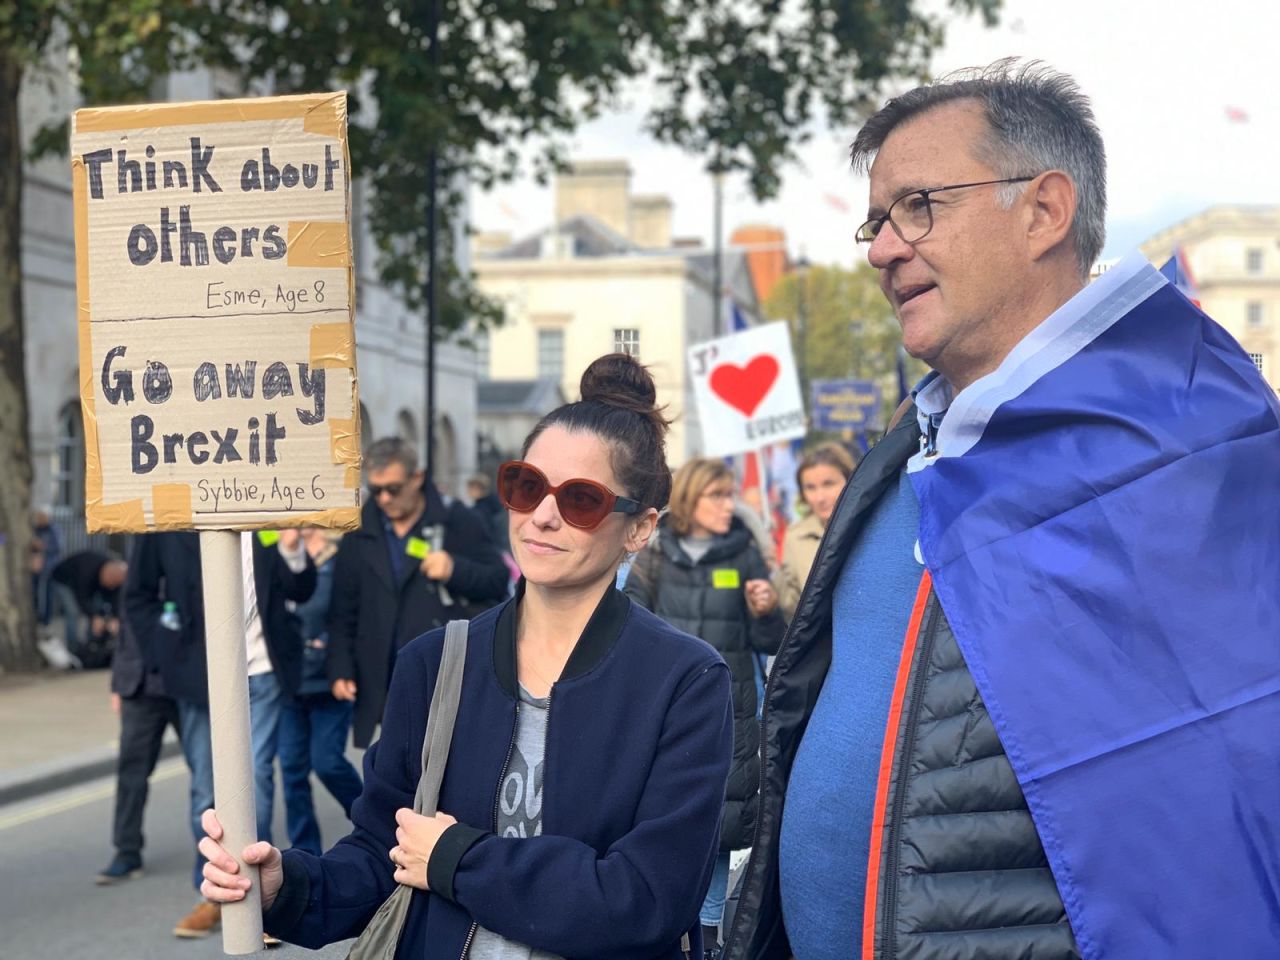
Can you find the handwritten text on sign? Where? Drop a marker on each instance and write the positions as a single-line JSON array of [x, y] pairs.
[[746, 390], [213, 253]]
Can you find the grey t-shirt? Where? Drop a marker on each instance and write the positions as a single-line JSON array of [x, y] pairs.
[[519, 814]]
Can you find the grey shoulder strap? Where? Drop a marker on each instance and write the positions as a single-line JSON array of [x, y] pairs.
[[380, 939], [441, 717]]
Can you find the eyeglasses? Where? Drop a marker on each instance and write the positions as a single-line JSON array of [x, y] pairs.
[[911, 215], [391, 489], [582, 503], [717, 494]]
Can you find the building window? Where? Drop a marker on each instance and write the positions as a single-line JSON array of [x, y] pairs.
[[550, 354], [481, 342], [1254, 313], [68, 474], [626, 340], [1257, 360], [366, 427], [1253, 259]]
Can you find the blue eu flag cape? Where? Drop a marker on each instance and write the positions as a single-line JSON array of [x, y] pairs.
[[1102, 523]]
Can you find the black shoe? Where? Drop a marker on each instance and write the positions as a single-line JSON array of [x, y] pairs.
[[121, 868]]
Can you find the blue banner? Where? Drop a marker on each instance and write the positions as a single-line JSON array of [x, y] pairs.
[[845, 405], [1102, 523]]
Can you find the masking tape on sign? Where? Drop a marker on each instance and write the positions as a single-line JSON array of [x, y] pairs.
[[319, 243], [171, 506], [323, 114]]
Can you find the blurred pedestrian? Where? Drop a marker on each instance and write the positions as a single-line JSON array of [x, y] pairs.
[[750, 508], [314, 725], [414, 564], [628, 720], [46, 551], [95, 581], [138, 699], [164, 600], [486, 503], [821, 477], [705, 575]]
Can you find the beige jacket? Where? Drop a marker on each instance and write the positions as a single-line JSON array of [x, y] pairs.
[[799, 549]]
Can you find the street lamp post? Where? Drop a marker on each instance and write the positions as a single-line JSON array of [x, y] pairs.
[[433, 270], [717, 281], [801, 268]]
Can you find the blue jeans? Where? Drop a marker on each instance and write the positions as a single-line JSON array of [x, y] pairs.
[[313, 736], [713, 906], [193, 729], [264, 730]]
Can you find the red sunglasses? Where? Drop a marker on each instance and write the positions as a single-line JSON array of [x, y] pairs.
[[582, 503]]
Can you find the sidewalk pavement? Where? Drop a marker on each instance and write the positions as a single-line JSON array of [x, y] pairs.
[[58, 731]]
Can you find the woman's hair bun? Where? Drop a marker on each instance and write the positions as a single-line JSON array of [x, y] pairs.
[[619, 380], [619, 405]]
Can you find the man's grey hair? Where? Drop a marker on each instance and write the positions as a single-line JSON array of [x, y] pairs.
[[1040, 120], [383, 453]]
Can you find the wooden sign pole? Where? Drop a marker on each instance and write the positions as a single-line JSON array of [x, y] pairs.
[[229, 727]]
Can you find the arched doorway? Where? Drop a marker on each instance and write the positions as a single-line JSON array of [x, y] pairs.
[[445, 461], [407, 429]]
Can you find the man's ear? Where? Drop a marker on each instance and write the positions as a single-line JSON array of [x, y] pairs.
[[1052, 199], [640, 530]]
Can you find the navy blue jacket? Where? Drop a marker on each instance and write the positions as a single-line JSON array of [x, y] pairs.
[[639, 740]]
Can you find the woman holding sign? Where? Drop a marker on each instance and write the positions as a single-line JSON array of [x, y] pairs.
[[580, 803], [705, 575]]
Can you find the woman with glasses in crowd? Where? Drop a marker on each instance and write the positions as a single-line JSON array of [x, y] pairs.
[[705, 575], [580, 802], [821, 477]]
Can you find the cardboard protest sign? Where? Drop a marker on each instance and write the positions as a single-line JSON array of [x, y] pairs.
[[846, 405], [216, 308], [746, 390]]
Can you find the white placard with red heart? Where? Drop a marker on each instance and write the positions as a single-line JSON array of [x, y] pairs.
[[747, 391]]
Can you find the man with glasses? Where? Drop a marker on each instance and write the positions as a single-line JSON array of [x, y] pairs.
[[414, 564], [1027, 704]]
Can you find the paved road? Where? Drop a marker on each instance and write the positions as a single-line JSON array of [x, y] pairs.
[[51, 848]]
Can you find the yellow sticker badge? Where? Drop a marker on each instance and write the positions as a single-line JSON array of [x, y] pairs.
[[725, 579], [268, 538], [417, 548]]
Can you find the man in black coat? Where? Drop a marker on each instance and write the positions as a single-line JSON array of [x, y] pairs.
[[414, 564], [164, 601], [138, 699], [494, 515]]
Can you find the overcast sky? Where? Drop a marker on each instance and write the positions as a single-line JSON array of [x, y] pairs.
[[1164, 78]]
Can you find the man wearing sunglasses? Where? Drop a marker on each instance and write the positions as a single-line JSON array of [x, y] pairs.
[[1027, 705], [414, 564]]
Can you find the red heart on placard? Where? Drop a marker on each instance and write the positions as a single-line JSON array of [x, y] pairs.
[[743, 388]]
